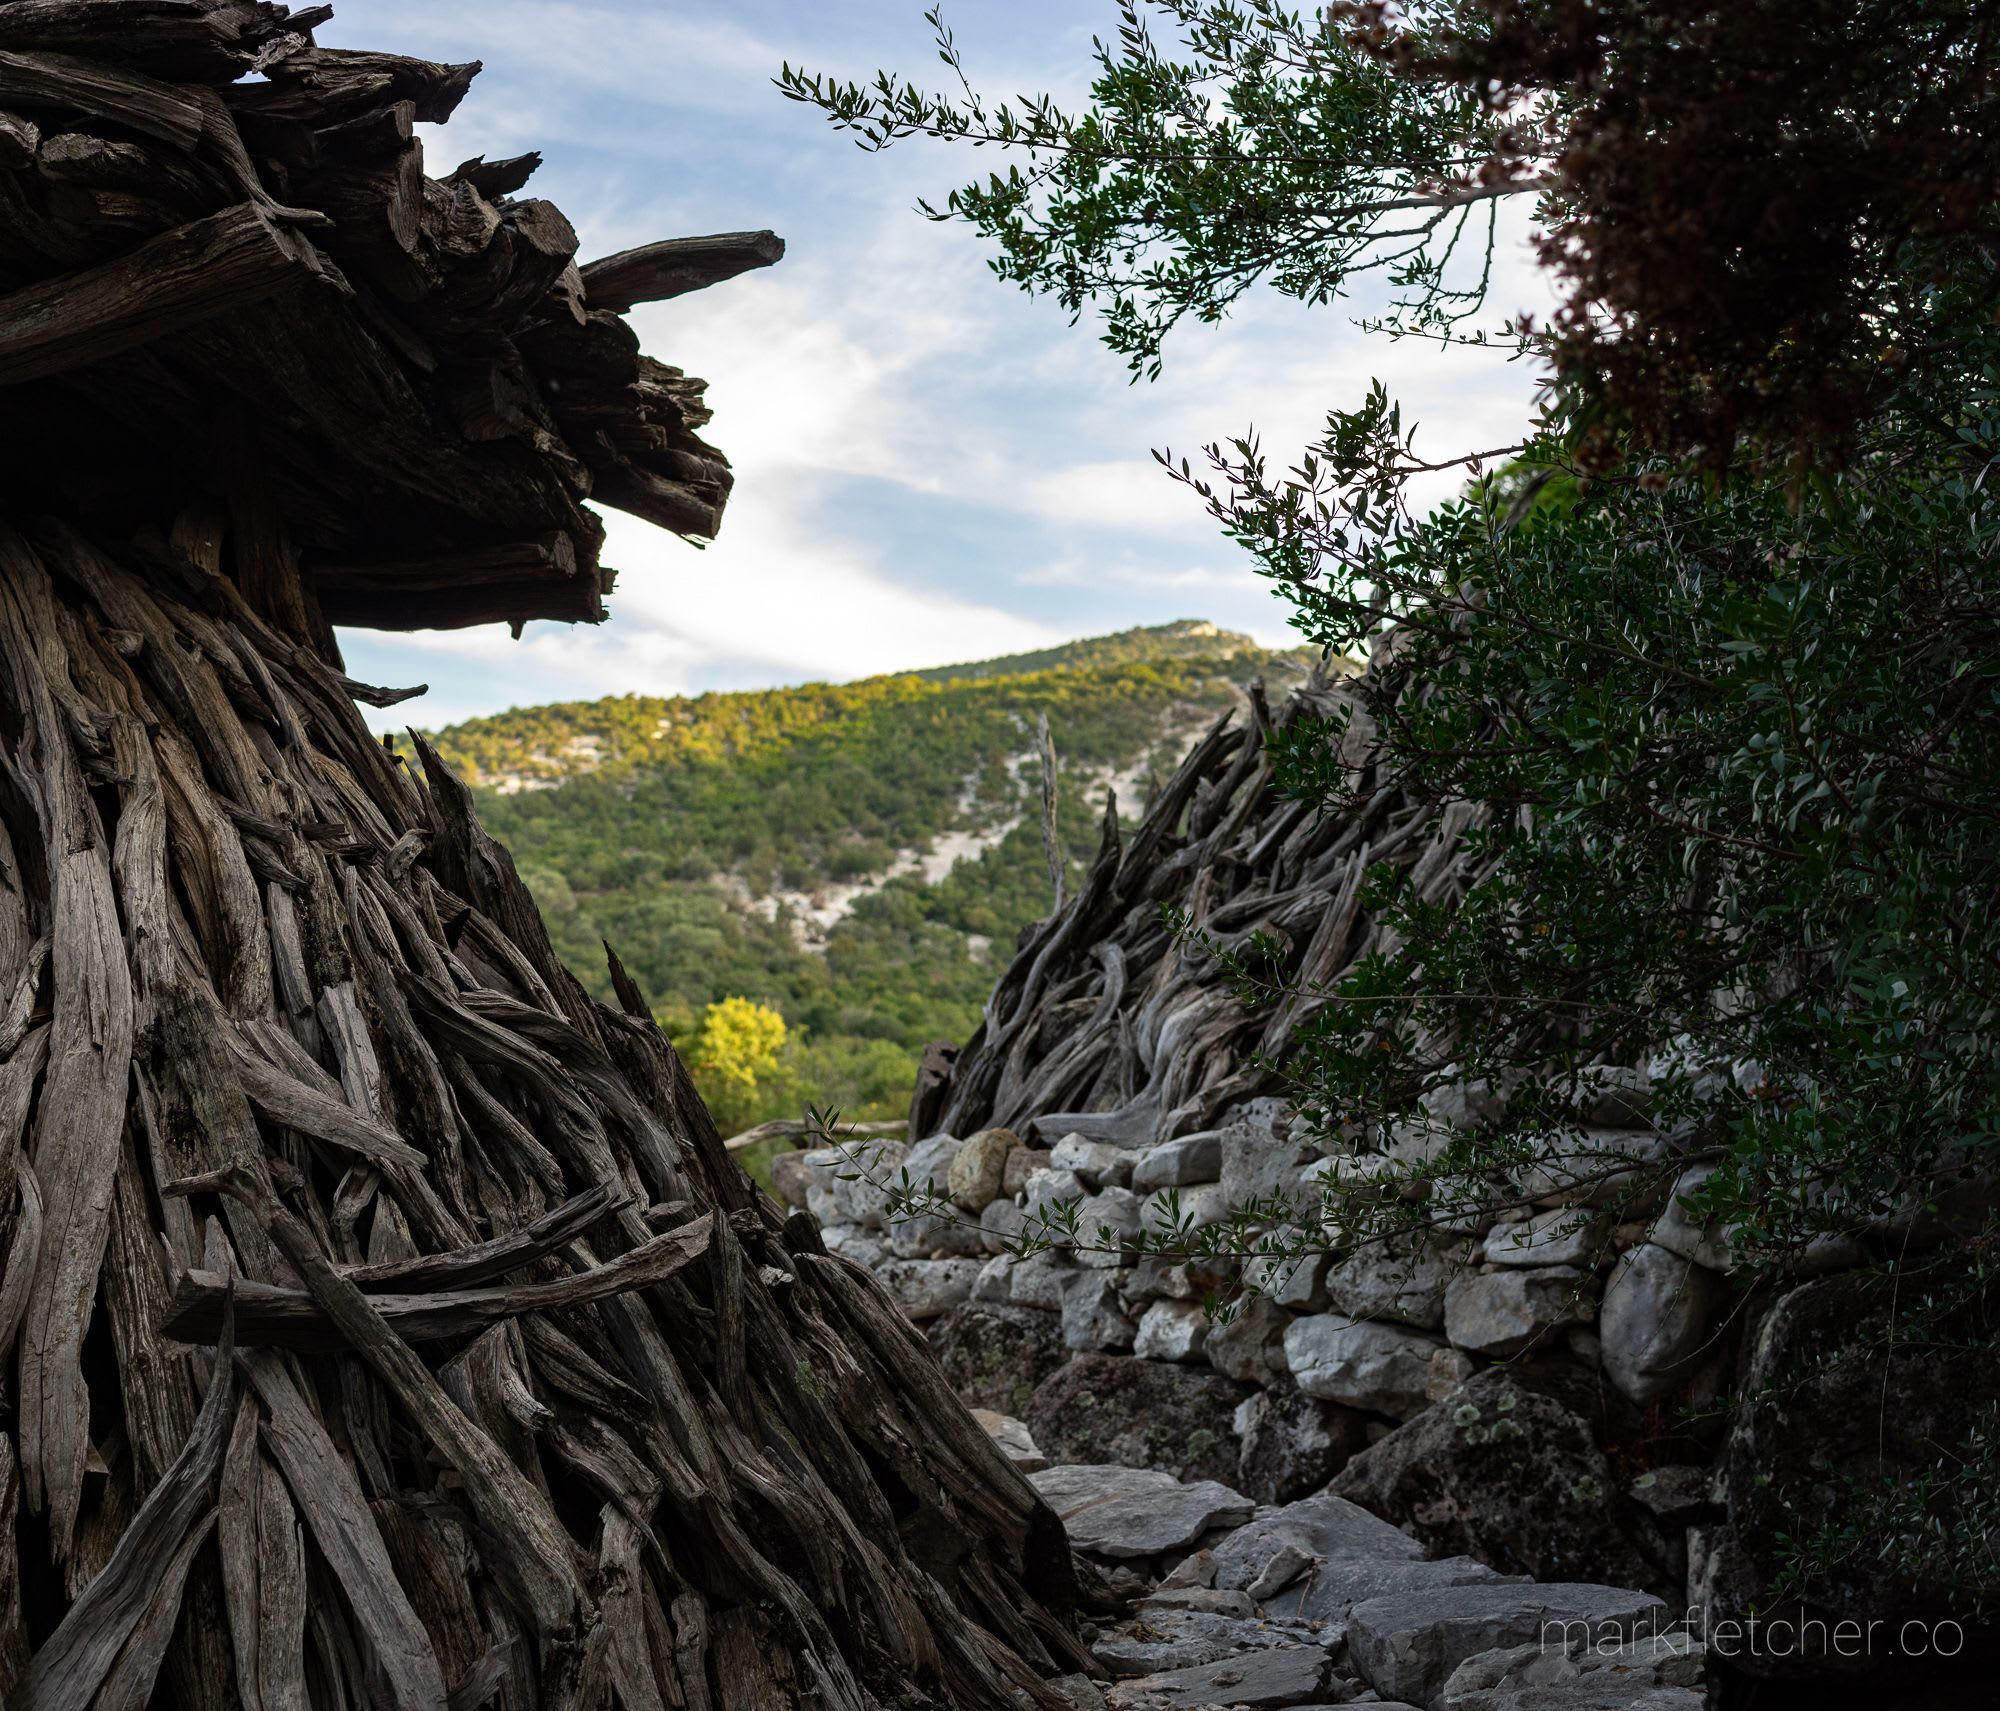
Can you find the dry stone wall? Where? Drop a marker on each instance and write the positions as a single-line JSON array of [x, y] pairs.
[[1538, 1383]]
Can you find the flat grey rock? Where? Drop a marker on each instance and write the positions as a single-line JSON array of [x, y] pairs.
[[1408, 1643], [1137, 1512], [1602, 1691], [1319, 1527], [1332, 1589], [1263, 1680], [1159, 1640]]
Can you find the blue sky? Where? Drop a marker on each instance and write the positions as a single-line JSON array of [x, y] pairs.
[[931, 466]]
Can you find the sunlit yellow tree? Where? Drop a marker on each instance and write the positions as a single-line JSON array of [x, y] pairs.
[[736, 1049]]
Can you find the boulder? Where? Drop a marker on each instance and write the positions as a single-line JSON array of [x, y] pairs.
[[1334, 1588], [1380, 1368], [1171, 1331], [1291, 1443], [1111, 1408], [1163, 1638], [1626, 1674], [928, 1163], [1677, 1230], [1250, 1343], [1130, 1512], [1408, 1645], [1000, 1225], [1093, 1317], [1602, 1690], [1319, 1529], [850, 1184], [1107, 1224], [1408, 1286], [1260, 1160], [1179, 1163], [1512, 1478], [979, 1168], [1268, 1678], [927, 1288], [1566, 1235], [1654, 1325], [1507, 1311], [1012, 1439], [994, 1355], [1844, 1414], [1097, 1163]]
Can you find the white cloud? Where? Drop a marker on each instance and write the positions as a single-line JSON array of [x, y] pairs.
[[879, 385]]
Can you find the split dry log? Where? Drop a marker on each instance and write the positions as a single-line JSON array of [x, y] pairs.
[[1108, 1024], [388, 1324]]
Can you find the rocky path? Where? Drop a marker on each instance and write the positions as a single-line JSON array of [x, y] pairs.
[[1204, 1598]]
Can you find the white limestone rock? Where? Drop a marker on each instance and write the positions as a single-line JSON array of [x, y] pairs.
[[1566, 1235], [1383, 1369], [1179, 1163], [1680, 1232], [1655, 1322], [927, 1288], [1097, 1164], [1176, 1331], [1092, 1315], [1408, 1286], [1250, 1345], [1508, 1311], [1107, 1225]]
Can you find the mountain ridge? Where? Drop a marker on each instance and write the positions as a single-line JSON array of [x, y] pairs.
[[856, 858]]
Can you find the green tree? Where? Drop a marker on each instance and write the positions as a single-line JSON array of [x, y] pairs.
[[1714, 648]]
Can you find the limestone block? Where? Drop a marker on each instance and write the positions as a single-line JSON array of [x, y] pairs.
[[1097, 1163], [1507, 1311], [1657, 1314], [980, 1167], [1175, 1331], [1179, 1163], [1383, 1369]]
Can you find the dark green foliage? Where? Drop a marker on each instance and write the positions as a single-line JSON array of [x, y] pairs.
[[1734, 736]]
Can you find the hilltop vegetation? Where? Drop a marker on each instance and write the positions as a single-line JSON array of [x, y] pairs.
[[846, 855]]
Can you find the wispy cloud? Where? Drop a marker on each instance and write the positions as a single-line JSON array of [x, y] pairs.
[[930, 466]]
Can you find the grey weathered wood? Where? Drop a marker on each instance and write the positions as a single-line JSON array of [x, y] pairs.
[[293, 1318], [654, 272], [278, 1018], [168, 283]]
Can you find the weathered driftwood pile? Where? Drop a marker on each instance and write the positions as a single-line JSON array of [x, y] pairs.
[[383, 1322], [1107, 1025]]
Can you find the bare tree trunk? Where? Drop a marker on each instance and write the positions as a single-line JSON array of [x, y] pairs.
[[388, 1323]]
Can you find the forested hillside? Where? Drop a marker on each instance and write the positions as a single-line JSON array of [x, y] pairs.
[[857, 858]]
